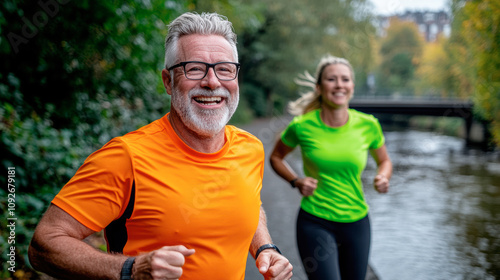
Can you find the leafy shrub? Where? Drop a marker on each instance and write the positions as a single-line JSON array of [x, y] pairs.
[[89, 73]]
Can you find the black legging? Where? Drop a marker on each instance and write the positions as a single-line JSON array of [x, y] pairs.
[[331, 250]]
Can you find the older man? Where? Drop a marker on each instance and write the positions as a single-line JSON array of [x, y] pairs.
[[178, 198]]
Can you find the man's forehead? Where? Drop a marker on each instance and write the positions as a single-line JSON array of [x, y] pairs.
[[197, 45]]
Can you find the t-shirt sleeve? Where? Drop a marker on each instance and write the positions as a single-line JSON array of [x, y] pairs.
[[289, 135], [100, 190], [378, 136]]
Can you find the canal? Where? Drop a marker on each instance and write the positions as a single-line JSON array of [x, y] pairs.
[[440, 220]]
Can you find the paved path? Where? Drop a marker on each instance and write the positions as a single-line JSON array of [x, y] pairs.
[[280, 201]]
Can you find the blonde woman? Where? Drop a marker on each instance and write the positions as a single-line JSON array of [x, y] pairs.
[[333, 227]]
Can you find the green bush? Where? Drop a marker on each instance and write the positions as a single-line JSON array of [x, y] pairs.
[[86, 71]]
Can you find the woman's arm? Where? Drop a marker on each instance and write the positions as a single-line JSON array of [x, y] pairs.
[[278, 163], [384, 169], [305, 185]]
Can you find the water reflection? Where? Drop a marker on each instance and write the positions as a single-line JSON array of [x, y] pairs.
[[441, 219]]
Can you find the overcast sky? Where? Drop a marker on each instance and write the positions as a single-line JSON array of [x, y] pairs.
[[390, 7]]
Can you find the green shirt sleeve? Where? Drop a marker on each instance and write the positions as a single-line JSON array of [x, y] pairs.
[[289, 135]]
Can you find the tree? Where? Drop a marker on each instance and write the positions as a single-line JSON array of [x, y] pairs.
[[433, 75], [474, 58], [400, 51], [72, 76], [291, 36], [481, 29]]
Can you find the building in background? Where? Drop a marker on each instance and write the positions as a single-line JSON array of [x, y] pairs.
[[430, 24]]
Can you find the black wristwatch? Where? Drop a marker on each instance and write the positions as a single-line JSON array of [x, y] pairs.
[[264, 247], [292, 182], [126, 273]]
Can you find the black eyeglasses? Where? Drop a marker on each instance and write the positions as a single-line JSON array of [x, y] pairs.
[[197, 70]]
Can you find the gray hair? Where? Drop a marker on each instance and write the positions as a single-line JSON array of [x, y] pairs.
[[193, 23], [312, 100]]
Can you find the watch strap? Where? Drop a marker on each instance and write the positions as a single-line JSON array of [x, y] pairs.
[[126, 273], [264, 247]]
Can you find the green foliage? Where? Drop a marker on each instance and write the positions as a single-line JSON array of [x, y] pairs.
[[434, 74], [286, 38], [400, 69], [72, 76], [472, 59], [482, 33], [278, 40], [400, 52], [454, 67], [255, 98]]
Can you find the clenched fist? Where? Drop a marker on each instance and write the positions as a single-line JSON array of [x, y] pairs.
[[164, 263]]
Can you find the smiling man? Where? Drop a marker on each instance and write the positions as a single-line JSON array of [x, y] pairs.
[[178, 198]]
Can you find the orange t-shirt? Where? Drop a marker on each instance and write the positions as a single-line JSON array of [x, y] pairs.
[[148, 189]]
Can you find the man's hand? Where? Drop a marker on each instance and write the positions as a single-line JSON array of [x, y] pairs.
[[274, 266], [164, 263]]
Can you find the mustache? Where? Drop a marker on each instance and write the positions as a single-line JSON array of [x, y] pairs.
[[219, 92]]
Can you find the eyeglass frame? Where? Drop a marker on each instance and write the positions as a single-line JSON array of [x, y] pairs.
[[209, 65]]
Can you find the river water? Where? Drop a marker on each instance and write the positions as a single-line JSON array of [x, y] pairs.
[[441, 219]]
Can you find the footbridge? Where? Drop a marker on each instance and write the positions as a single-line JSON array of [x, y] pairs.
[[422, 107]]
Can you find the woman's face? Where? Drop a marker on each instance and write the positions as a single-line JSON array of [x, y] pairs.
[[336, 85]]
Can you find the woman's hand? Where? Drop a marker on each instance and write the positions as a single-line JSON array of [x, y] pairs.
[[306, 185], [381, 183]]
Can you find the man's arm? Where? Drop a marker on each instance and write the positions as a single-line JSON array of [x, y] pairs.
[[271, 264], [57, 248]]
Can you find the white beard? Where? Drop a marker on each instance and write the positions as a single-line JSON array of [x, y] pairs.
[[205, 122]]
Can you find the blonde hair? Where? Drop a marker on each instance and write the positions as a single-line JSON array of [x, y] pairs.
[[311, 100]]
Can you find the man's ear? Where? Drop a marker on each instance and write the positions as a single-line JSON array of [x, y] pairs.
[[167, 80]]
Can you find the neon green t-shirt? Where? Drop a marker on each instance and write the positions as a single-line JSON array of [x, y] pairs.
[[336, 157]]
